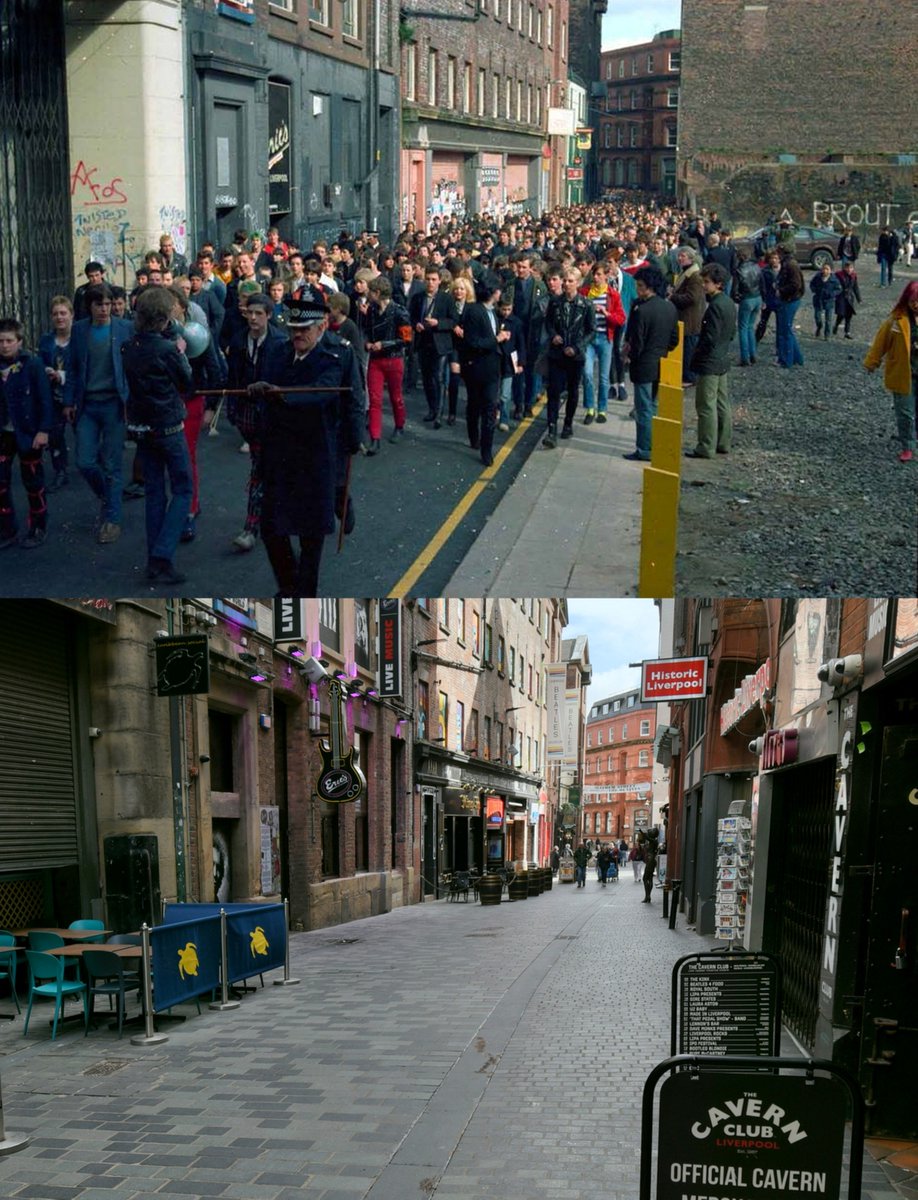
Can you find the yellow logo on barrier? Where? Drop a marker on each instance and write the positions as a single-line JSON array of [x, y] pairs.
[[188, 960], [259, 942]]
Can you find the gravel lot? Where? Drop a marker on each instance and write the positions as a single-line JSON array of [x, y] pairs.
[[812, 501]]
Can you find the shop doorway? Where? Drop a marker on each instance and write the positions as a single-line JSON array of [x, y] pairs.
[[798, 877], [889, 1035]]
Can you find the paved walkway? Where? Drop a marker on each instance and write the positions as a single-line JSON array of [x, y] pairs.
[[569, 525], [445, 1050]]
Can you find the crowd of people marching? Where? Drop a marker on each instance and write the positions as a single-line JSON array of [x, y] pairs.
[[298, 348]]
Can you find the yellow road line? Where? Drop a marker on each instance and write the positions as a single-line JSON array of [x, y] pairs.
[[449, 526]]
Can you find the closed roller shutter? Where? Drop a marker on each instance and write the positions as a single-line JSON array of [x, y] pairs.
[[38, 820]]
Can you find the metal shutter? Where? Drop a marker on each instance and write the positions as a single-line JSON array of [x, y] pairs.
[[38, 819]]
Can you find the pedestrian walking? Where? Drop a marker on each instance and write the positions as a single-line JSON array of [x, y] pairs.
[[825, 290], [602, 865], [790, 289], [849, 246], [54, 349], [770, 272], [308, 439], [711, 365], [636, 858], [623, 286], [26, 419], [570, 325], [387, 329], [158, 375], [896, 342], [649, 872], [887, 254], [609, 320], [95, 393], [848, 299], [747, 292], [433, 318], [581, 858], [480, 340]]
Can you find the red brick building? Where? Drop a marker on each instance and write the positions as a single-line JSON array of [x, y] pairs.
[[475, 96], [638, 131], [618, 770]]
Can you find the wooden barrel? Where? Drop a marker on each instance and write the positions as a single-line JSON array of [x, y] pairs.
[[490, 888], [519, 886], [548, 877], [535, 882]]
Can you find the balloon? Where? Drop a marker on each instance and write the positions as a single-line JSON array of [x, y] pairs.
[[197, 338]]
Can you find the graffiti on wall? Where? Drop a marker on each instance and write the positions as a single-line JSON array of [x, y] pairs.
[[172, 220], [88, 187], [101, 226], [871, 214]]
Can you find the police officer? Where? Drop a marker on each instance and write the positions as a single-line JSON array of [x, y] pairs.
[[308, 440]]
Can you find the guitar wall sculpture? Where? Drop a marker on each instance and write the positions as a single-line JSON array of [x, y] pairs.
[[341, 780]]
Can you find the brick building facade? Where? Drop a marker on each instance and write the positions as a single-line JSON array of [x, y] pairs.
[[638, 130], [478, 679], [768, 118], [475, 95], [618, 769]]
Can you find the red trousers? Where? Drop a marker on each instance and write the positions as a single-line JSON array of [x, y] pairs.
[[388, 370], [194, 417]]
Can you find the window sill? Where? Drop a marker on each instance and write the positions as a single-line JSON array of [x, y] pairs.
[[284, 14], [318, 27]]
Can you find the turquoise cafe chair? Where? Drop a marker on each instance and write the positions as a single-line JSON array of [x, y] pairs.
[[47, 982]]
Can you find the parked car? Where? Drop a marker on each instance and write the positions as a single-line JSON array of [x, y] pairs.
[[812, 246]]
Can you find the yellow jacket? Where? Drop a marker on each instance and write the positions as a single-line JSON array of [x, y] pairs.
[[894, 343]]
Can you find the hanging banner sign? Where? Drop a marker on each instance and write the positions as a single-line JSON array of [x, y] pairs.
[[555, 677], [288, 619], [390, 648], [279, 147], [749, 1135], [746, 697], [673, 679]]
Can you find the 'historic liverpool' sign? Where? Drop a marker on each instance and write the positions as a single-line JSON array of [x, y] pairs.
[[673, 679], [749, 1136]]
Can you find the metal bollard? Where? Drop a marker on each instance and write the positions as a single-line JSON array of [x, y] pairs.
[[677, 883], [286, 980], [224, 1001], [667, 888], [149, 1037]]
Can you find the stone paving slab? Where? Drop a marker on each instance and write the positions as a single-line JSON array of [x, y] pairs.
[[455, 1051]]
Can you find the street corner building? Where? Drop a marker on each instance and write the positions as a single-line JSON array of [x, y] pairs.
[[342, 754]]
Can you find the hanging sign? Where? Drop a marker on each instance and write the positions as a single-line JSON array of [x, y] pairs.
[[673, 679], [340, 780], [279, 147], [182, 665], [749, 1135], [390, 648]]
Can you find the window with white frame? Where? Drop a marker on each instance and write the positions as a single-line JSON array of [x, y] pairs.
[[318, 12], [672, 97], [645, 729], [531, 26], [609, 763], [675, 60], [550, 27], [528, 103], [285, 5], [634, 98], [450, 82], [539, 26], [634, 68], [481, 91], [609, 821], [411, 71], [649, 64], [597, 823], [671, 139], [508, 98], [350, 18], [624, 733], [632, 700], [616, 704], [510, 12], [598, 737], [495, 96], [431, 77], [609, 68], [519, 99], [467, 88], [564, 41], [607, 136], [538, 104], [589, 737], [621, 68], [519, 15], [632, 135], [644, 758]]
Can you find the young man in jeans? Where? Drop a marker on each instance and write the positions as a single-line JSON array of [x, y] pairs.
[[653, 331]]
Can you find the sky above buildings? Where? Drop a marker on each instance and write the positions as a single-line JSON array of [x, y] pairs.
[[630, 22], [620, 632]]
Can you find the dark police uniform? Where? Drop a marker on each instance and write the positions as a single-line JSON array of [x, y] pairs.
[[307, 441]]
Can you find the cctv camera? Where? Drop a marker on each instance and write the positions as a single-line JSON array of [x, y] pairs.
[[757, 746], [840, 671], [161, 633], [313, 670]]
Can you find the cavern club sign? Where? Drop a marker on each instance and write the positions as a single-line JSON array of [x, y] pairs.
[[749, 1136]]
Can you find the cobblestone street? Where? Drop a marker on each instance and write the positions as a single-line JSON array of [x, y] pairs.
[[444, 1049]]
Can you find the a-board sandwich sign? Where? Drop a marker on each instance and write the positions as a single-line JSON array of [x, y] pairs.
[[750, 1136]]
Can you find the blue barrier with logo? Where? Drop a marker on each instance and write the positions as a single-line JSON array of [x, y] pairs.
[[256, 940], [185, 959]]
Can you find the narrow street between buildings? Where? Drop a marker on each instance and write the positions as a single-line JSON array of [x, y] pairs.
[[445, 1049]]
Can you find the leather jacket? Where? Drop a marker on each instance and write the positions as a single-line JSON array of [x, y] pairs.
[[573, 321], [158, 376]]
